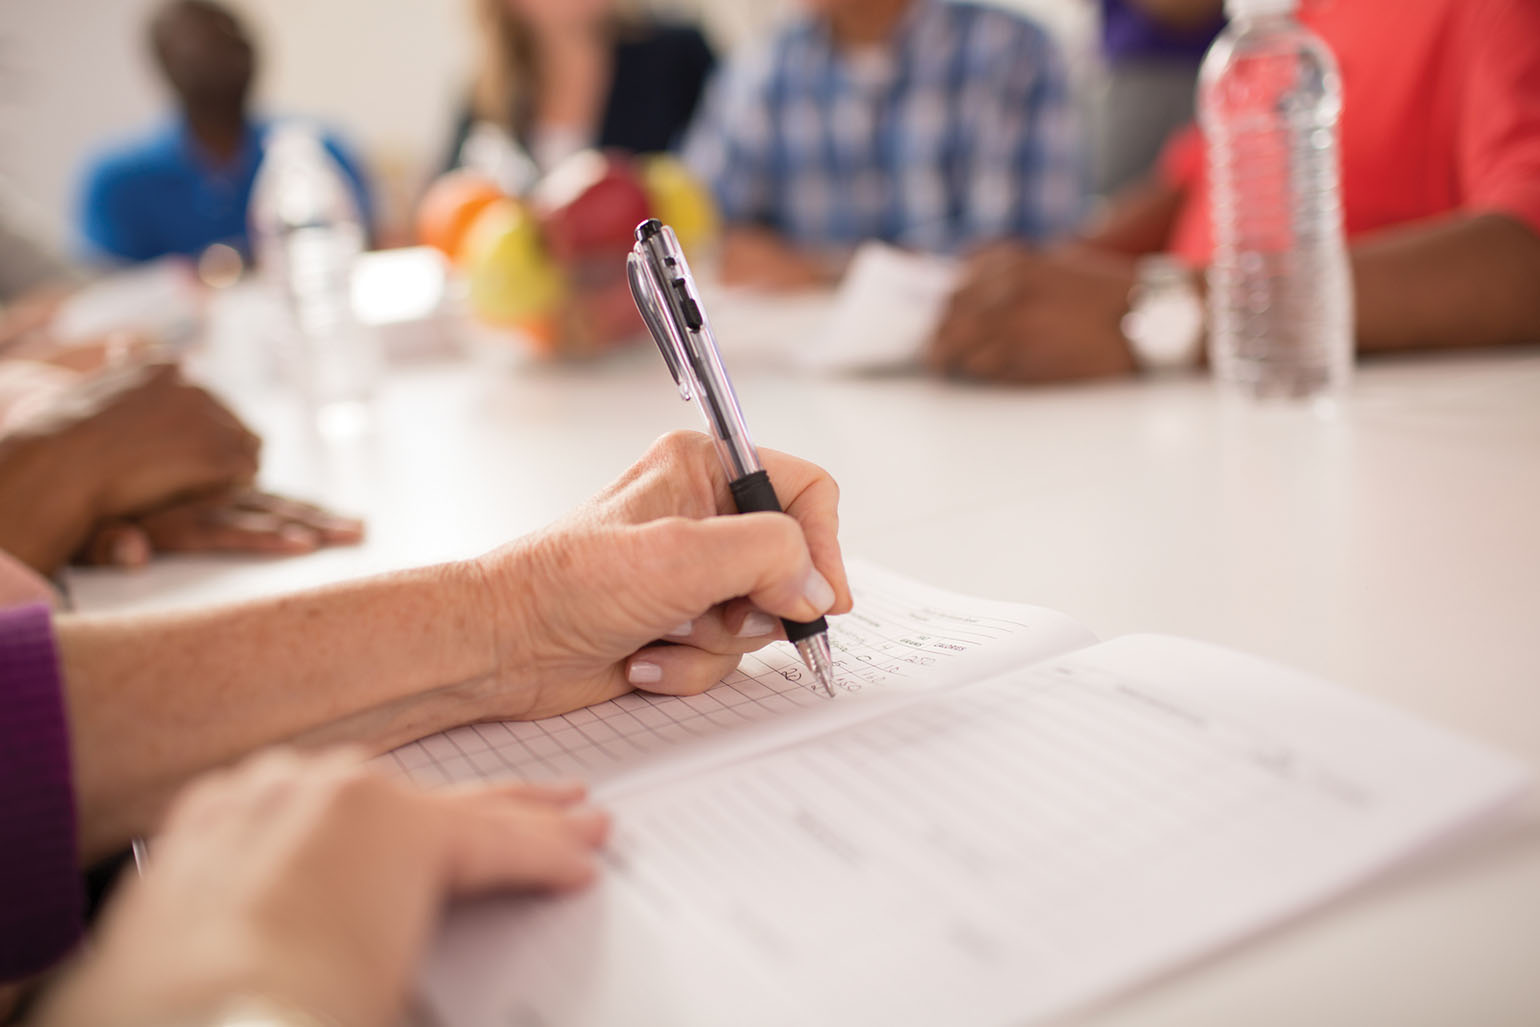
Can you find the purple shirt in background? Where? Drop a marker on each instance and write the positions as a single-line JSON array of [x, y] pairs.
[[41, 901], [1128, 34]]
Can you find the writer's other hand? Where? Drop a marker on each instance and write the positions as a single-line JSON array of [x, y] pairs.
[[649, 585], [238, 520], [310, 884], [1023, 315]]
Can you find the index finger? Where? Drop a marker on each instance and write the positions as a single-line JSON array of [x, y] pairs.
[[810, 495]]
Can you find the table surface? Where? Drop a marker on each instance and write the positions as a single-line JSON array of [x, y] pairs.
[[1393, 549]]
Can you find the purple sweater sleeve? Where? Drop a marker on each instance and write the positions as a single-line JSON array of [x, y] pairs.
[[41, 903]]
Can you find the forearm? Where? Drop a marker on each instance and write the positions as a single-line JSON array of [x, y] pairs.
[[1468, 281], [1137, 221], [154, 700]]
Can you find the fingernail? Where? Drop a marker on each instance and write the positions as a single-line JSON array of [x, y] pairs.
[[682, 631], [755, 624], [817, 591], [643, 673]]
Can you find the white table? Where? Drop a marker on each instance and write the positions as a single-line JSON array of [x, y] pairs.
[[1396, 550]]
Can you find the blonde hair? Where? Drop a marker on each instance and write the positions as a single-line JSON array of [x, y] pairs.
[[500, 90]]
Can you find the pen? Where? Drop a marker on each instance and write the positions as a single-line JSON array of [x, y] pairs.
[[665, 293]]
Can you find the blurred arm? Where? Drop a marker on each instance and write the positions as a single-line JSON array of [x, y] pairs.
[[1138, 220], [1470, 281], [1466, 281]]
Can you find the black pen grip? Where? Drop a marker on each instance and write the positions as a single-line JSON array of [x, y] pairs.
[[754, 494]]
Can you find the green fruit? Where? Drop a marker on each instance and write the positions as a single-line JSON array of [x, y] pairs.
[[512, 278]]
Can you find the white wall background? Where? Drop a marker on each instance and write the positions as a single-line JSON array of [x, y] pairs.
[[387, 73]]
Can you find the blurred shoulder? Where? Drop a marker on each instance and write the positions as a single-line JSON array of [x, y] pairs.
[[758, 63], [129, 162]]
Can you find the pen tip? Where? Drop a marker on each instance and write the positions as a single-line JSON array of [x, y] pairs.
[[815, 652]]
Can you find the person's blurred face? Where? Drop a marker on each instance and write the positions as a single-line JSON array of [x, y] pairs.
[[559, 14], [205, 54]]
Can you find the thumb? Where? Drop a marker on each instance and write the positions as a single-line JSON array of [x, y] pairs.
[[763, 556]]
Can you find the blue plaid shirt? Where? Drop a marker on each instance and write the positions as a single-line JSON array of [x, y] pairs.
[[960, 131]]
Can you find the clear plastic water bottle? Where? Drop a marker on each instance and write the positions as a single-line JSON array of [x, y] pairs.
[[307, 236], [1280, 287]]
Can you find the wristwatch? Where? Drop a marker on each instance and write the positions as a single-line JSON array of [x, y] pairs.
[[1164, 323]]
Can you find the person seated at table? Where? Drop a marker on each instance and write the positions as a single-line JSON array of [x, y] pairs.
[[186, 186], [110, 459], [559, 76], [930, 125], [1441, 194], [104, 719]]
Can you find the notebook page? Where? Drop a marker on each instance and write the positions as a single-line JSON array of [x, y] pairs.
[[996, 854], [902, 637]]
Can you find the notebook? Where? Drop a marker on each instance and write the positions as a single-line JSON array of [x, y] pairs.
[[997, 820]]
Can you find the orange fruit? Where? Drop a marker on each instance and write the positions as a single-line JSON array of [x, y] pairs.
[[449, 207]]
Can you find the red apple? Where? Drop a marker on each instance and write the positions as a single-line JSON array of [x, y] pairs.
[[589, 206]]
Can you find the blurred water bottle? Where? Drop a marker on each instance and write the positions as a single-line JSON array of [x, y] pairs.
[[1280, 288], [307, 236]]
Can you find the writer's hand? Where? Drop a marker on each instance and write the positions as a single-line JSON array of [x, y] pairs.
[[311, 884], [1028, 316], [580, 607], [239, 520], [760, 259]]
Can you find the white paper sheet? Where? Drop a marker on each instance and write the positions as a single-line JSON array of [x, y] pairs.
[[886, 311], [879, 318], [994, 854]]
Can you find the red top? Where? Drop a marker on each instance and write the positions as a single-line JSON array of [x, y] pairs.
[[1441, 112]]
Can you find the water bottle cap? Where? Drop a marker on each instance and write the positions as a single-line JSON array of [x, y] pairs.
[[1254, 8]]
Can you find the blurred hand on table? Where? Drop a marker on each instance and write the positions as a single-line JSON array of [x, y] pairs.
[[1024, 315], [132, 458], [236, 520], [263, 894]]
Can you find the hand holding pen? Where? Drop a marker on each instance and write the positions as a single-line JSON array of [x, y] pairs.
[[667, 297]]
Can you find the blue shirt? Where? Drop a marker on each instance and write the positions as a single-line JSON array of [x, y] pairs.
[[163, 195], [960, 130]]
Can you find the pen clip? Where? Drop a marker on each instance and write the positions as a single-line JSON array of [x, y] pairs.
[[644, 290]]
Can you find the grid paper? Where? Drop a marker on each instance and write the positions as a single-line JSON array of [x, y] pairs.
[[900, 636]]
